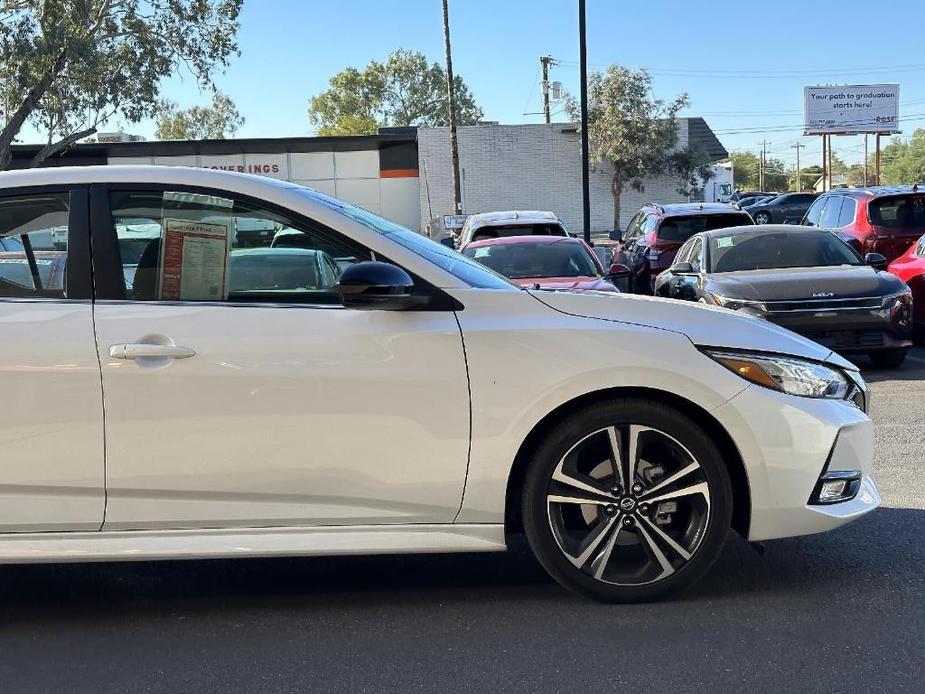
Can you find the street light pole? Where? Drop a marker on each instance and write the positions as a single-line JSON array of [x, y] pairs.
[[585, 182], [451, 96]]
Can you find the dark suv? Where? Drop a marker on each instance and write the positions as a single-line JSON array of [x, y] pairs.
[[783, 208], [872, 220], [655, 234]]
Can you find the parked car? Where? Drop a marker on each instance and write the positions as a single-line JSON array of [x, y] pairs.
[[884, 220], [746, 203], [657, 232], [809, 281], [423, 404], [780, 209], [746, 195], [545, 262], [910, 268], [493, 225]]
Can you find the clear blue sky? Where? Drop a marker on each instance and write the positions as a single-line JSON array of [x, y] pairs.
[[743, 65]]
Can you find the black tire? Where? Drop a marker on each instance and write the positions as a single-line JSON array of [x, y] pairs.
[[541, 513], [762, 218], [888, 359]]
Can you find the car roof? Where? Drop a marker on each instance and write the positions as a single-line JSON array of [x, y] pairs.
[[685, 209], [876, 191], [513, 217], [759, 229], [514, 240]]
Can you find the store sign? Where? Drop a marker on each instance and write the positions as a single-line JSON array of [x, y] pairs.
[[454, 221], [851, 109]]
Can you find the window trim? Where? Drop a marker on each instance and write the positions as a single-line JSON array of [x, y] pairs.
[[109, 281], [78, 278]]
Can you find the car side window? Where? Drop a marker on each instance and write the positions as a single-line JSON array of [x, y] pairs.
[[33, 245], [831, 213], [846, 215], [684, 252], [814, 214], [180, 246], [695, 254]]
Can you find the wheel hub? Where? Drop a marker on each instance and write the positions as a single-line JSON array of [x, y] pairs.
[[627, 504]]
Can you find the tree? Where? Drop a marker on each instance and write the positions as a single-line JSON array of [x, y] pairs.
[[744, 170], [631, 134], [215, 122], [692, 167], [68, 66], [405, 90], [903, 161]]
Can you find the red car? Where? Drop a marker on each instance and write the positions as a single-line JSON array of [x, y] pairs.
[[884, 220], [552, 262], [910, 268]]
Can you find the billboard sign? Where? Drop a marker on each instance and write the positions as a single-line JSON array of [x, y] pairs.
[[851, 109]]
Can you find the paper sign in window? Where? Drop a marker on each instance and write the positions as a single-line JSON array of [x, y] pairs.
[[194, 266]]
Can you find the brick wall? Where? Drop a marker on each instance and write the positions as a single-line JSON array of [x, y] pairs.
[[526, 167]]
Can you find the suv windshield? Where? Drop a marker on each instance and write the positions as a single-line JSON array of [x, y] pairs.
[[897, 211], [469, 271], [519, 260], [787, 249], [504, 230], [680, 229]]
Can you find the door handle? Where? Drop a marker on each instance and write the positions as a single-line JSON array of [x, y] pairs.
[[138, 350]]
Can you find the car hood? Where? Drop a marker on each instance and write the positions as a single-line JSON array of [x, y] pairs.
[[567, 283], [707, 326], [803, 283]]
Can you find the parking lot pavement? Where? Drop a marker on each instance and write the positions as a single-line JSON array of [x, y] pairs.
[[840, 612]]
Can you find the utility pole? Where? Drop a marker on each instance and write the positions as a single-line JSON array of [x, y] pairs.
[[585, 180], [546, 61], [762, 163], [454, 147], [798, 147], [866, 181]]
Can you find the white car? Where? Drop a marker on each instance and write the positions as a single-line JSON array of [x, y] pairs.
[[421, 404], [493, 225]]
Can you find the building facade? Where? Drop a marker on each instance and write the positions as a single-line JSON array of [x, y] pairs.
[[405, 174]]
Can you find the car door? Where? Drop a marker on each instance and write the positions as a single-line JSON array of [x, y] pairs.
[[240, 393], [51, 434]]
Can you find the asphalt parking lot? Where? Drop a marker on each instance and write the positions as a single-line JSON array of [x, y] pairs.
[[840, 612]]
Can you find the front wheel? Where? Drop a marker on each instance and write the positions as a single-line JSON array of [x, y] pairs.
[[890, 359], [627, 501], [762, 218]]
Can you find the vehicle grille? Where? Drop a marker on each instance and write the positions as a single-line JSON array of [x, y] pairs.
[[866, 302], [847, 339]]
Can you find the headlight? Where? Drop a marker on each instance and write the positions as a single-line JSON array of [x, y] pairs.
[[736, 304], [899, 299], [786, 374]]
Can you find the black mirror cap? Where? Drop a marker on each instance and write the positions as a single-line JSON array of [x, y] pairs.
[[683, 268], [876, 261], [615, 235], [374, 285]]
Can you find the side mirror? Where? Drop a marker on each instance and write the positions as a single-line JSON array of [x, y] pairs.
[[448, 242], [876, 261], [683, 268], [617, 271], [615, 235], [376, 286]]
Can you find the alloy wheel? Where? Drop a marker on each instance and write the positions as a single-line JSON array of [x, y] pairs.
[[762, 218], [628, 505]]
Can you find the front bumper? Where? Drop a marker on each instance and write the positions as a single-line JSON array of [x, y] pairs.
[[787, 443], [848, 331]]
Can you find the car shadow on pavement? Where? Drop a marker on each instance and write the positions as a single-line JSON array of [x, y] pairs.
[[881, 551]]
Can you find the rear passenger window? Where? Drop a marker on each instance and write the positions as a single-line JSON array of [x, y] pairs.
[[33, 245], [178, 246], [831, 213]]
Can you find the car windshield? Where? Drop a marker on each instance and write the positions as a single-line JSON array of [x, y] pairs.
[[520, 260], [505, 230], [680, 229], [897, 211], [772, 250], [461, 267]]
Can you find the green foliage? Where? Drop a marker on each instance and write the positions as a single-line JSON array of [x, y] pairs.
[[215, 122], [746, 176], [69, 65], [630, 133], [692, 167], [903, 160], [405, 90]]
